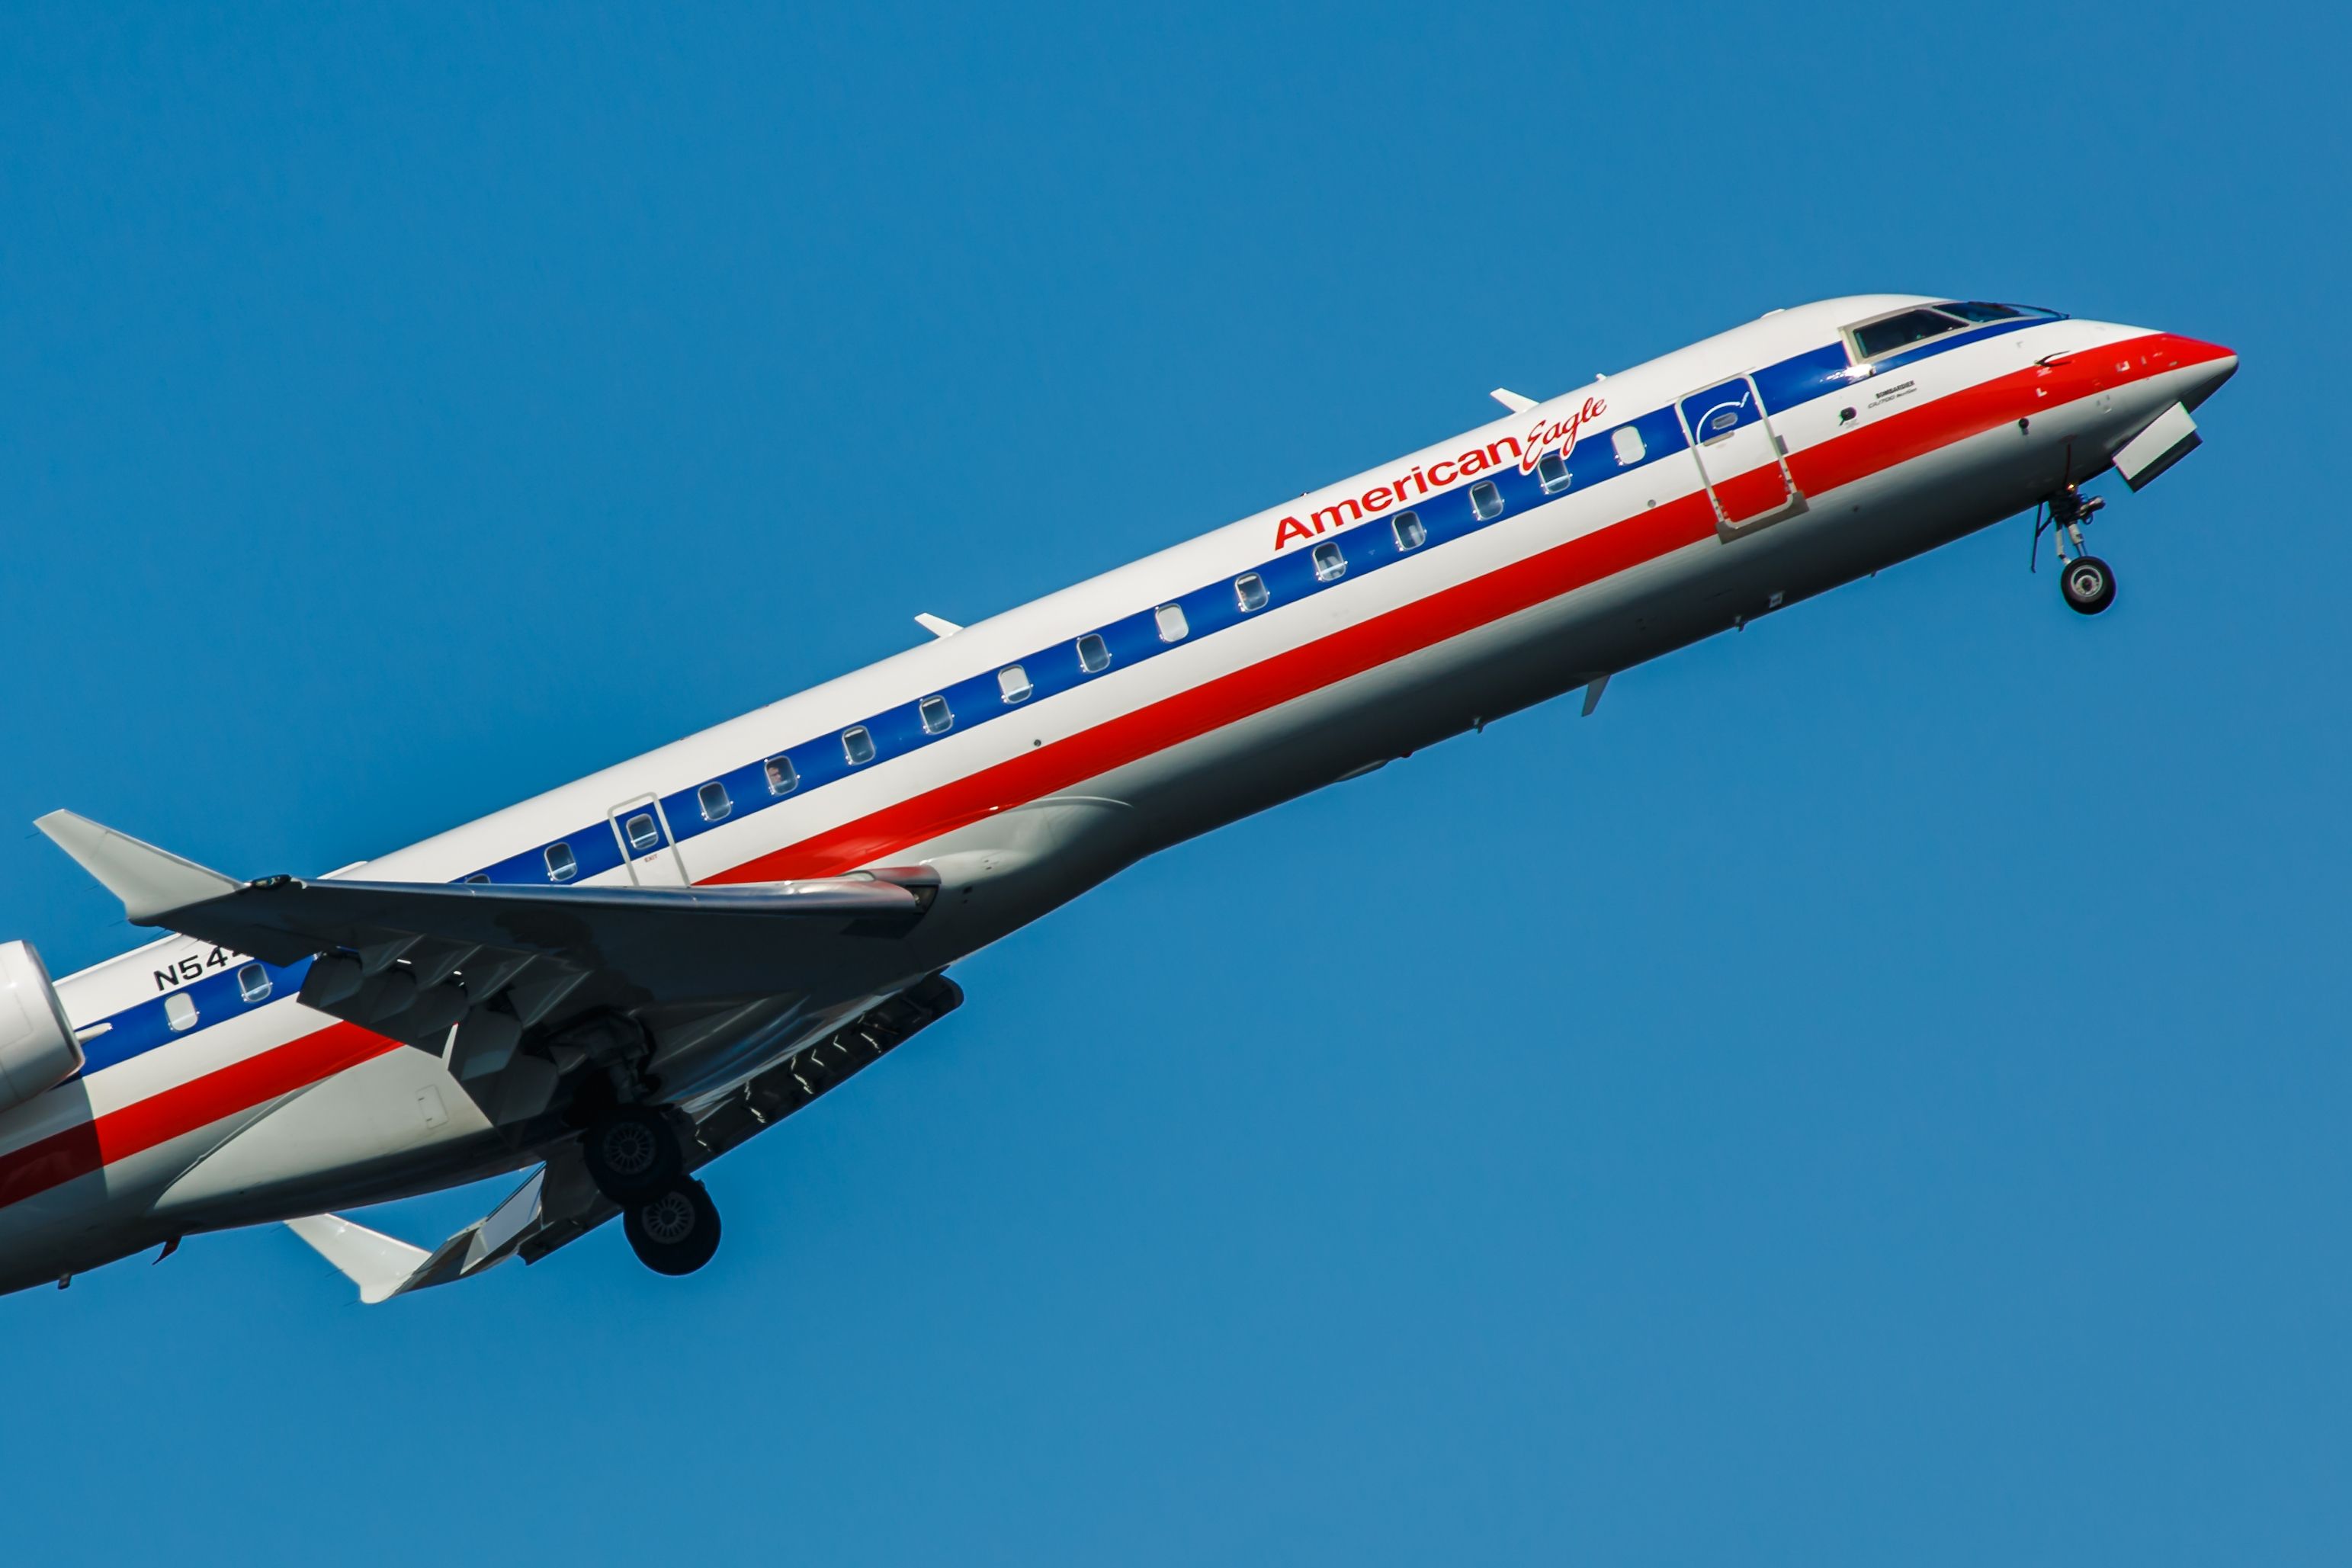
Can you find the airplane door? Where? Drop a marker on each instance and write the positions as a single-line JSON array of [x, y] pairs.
[[647, 847], [1742, 461]]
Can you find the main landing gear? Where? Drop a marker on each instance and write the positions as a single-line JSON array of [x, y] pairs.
[[2087, 583], [633, 1155], [676, 1230], [632, 1152]]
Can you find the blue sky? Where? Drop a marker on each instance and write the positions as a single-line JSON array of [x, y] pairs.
[[1875, 1092]]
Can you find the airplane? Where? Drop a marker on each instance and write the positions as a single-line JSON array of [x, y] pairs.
[[610, 986]]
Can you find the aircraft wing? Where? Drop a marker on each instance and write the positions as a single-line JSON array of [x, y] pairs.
[[669, 942], [558, 1204], [554, 1205], [411, 959]]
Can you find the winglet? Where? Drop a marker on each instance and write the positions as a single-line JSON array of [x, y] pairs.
[[380, 1266], [938, 626], [149, 881], [1516, 401]]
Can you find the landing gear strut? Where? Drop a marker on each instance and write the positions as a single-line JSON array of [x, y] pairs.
[[2087, 583], [675, 1229]]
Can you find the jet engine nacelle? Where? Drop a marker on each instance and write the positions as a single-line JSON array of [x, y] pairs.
[[37, 1048]]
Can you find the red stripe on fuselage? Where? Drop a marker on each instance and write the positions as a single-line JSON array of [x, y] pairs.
[[1408, 629], [238, 1087], [1184, 716]]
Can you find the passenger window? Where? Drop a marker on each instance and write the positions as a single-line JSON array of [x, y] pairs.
[[1409, 533], [1249, 591], [937, 716], [1012, 684], [1330, 566], [1551, 472], [179, 1011], [1486, 500], [561, 864], [642, 833], [1626, 442], [712, 799], [1170, 619], [857, 744], [253, 984], [1877, 338], [1094, 654], [782, 776]]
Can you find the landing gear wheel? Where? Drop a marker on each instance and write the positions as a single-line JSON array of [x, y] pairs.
[[631, 1153], [2088, 585], [676, 1230]]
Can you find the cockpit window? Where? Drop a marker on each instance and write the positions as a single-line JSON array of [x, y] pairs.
[[1902, 329], [1979, 310]]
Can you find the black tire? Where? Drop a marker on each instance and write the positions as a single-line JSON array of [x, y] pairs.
[[631, 1152], [2088, 584], [676, 1230]]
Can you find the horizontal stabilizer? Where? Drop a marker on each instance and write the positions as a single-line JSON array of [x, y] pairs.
[[380, 1266], [149, 881]]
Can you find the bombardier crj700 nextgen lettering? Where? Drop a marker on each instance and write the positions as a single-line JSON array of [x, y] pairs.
[[614, 984]]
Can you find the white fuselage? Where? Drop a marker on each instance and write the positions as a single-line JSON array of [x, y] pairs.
[[1028, 757]]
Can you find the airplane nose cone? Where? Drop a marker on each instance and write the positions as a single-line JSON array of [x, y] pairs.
[[2214, 364]]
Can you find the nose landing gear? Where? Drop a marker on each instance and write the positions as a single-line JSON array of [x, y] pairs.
[[2087, 583]]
